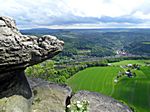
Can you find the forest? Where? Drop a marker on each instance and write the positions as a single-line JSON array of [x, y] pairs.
[[83, 43]]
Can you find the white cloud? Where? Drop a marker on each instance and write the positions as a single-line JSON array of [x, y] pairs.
[[42, 13], [141, 15], [98, 8]]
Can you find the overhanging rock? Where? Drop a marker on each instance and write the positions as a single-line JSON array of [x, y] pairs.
[[19, 51]]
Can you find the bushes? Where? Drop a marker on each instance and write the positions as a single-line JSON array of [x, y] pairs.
[[47, 71], [43, 70]]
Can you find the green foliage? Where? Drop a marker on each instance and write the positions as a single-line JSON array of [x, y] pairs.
[[35, 71], [61, 79], [47, 71], [102, 43], [43, 70]]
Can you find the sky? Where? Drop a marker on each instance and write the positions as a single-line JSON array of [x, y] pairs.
[[59, 14]]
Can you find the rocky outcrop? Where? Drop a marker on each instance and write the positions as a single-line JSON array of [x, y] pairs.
[[19, 94], [19, 51], [49, 97], [99, 102], [15, 103]]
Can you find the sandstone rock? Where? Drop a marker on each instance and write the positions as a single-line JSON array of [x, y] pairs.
[[14, 83], [19, 51], [15, 104], [49, 97], [100, 103]]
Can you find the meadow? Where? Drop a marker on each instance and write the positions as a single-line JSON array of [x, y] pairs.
[[125, 62], [132, 91]]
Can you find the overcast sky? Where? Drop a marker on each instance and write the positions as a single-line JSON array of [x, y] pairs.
[[78, 13]]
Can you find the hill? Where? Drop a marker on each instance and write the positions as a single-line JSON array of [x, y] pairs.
[[85, 43]]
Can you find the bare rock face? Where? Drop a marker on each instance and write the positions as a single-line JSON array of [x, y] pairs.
[[19, 51], [49, 97], [100, 103], [15, 103]]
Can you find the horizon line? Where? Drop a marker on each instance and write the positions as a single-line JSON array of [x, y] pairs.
[[83, 28]]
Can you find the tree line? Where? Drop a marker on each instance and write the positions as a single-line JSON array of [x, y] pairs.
[[47, 70]]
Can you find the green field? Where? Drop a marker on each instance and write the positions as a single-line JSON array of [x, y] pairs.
[[134, 91], [125, 62]]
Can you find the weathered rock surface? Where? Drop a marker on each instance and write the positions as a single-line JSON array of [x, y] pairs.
[[19, 51], [15, 103], [49, 97], [14, 83], [100, 103]]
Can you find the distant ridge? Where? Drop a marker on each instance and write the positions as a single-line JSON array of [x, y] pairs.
[[47, 31], [38, 31]]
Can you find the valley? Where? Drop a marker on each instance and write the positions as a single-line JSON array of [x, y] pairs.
[[97, 60]]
